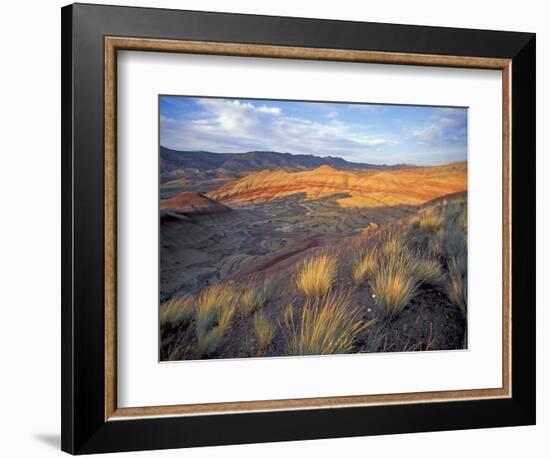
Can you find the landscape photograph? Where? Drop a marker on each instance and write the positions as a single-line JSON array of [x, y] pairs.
[[301, 228]]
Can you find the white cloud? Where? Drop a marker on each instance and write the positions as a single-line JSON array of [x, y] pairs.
[[270, 110], [236, 126], [448, 127]]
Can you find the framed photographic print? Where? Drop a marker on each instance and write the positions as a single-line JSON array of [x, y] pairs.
[[282, 228]]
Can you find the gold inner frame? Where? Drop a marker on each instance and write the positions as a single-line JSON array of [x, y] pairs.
[[114, 44]]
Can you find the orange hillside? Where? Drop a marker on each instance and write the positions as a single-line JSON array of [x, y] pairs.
[[411, 186]]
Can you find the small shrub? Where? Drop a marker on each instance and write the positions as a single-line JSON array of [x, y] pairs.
[[315, 276], [327, 325], [364, 266], [264, 330], [394, 283], [177, 311]]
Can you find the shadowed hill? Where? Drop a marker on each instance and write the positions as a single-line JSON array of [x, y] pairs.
[[174, 164]]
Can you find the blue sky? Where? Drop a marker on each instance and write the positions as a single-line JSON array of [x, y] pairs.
[[379, 134]]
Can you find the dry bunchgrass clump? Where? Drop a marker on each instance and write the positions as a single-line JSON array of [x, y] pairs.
[[327, 325], [393, 243], [454, 241], [287, 312], [364, 266], [431, 219], [254, 298], [216, 307], [457, 287], [394, 283], [264, 330], [178, 310], [209, 341], [434, 247], [455, 228], [225, 315], [459, 211], [455, 249], [428, 272], [315, 276], [217, 304]]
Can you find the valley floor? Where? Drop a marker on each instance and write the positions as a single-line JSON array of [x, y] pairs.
[[251, 256]]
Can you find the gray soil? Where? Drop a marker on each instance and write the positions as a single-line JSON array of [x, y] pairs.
[[201, 250], [268, 240]]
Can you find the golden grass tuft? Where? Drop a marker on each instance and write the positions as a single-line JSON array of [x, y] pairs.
[[287, 312], [225, 315], [264, 330], [175, 311], [393, 243], [394, 283], [218, 303], [216, 307], [431, 219], [428, 272], [315, 276], [254, 298], [327, 325], [364, 266]]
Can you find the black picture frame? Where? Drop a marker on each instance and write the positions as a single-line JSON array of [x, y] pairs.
[[84, 428]]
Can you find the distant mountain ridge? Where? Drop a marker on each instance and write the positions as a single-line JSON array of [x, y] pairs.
[[173, 163]]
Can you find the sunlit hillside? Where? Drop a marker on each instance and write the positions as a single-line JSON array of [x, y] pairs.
[[368, 189]]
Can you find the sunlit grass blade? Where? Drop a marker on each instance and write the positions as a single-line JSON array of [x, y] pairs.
[[394, 283], [326, 325], [364, 266], [315, 276], [175, 311]]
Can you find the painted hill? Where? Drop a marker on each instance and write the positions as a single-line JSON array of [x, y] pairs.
[[193, 203], [176, 164], [374, 188]]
